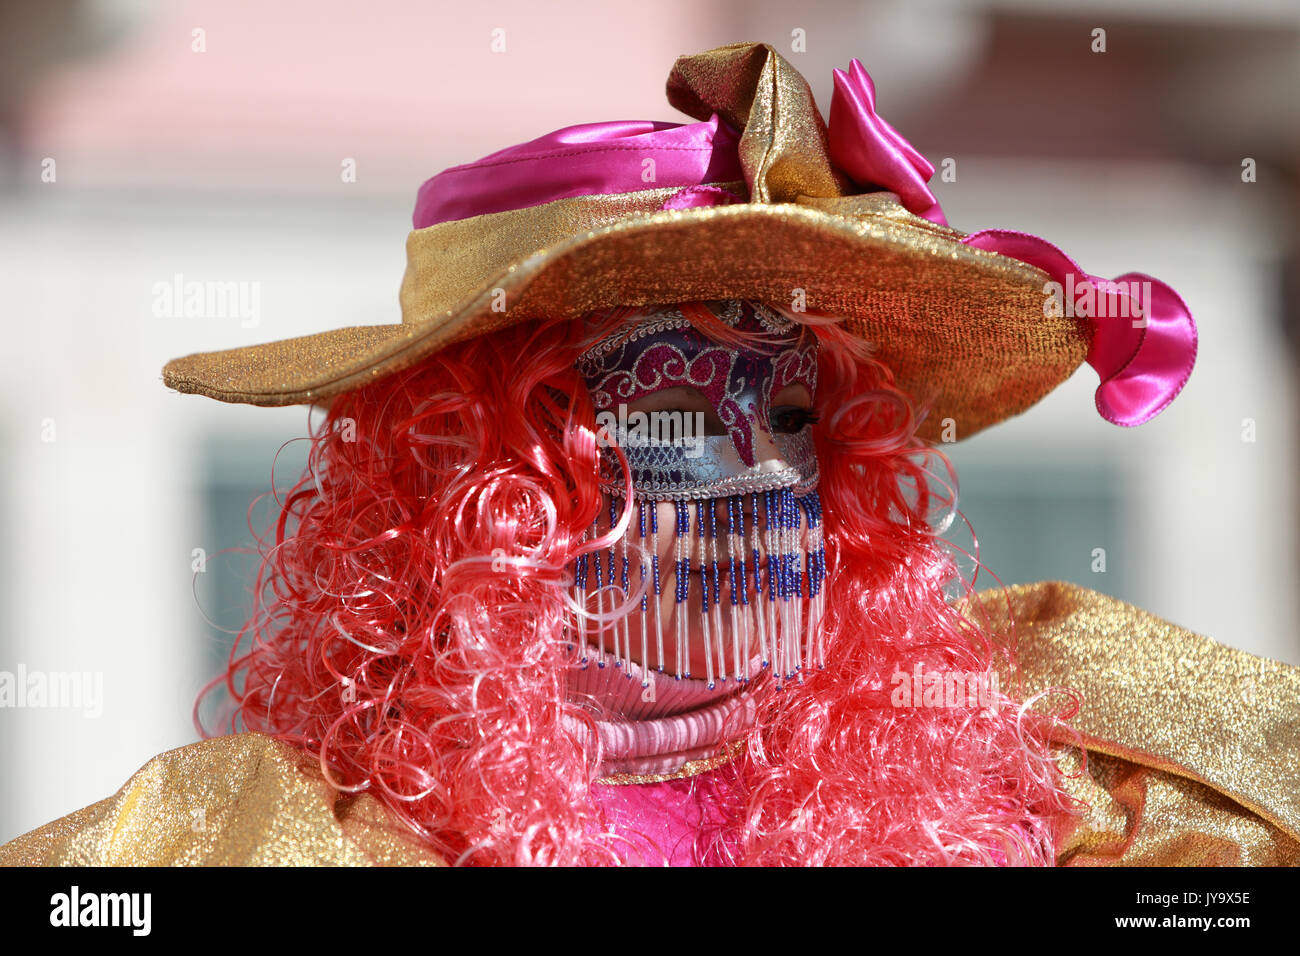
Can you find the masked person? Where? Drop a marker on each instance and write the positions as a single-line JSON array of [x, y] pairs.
[[621, 548]]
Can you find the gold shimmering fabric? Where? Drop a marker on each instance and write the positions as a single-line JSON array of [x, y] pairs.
[[242, 800], [961, 328], [784, 144], [1193, 748], [689, 769], [1192, 757]]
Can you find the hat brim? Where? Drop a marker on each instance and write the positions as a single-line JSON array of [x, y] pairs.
[[964, 330]]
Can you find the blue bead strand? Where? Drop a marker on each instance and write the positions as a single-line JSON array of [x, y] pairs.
[[654, 558], [713, 561], [731, 534], [641, 531]]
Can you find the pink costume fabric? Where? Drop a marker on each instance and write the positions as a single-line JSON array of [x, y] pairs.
[[661, 822], [684, 721]]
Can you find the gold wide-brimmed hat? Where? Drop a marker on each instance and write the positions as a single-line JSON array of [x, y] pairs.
[[764, 200]]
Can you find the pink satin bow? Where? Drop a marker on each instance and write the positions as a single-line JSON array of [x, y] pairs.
[[1143, 363], [1143, 349], [871, 152]]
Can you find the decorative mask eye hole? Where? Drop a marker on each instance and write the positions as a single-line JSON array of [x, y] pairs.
[[790, 419], [681, 406]]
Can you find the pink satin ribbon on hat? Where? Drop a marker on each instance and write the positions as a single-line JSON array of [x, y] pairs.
[[587, 160], [1143, 365], [871, 152]]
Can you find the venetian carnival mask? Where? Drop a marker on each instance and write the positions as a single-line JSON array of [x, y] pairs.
[[746, 560]]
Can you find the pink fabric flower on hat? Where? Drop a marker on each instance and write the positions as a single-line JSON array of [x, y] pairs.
[[871, 152]]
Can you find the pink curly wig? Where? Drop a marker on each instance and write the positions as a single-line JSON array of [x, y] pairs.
[[413, 620]]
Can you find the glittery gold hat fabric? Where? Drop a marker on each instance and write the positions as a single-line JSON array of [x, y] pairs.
[[963, 329]]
